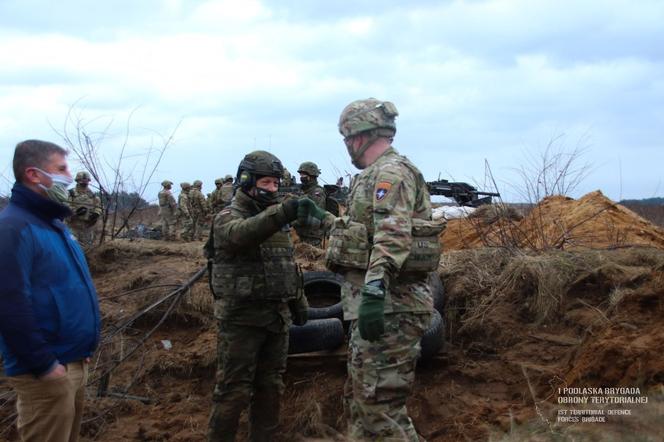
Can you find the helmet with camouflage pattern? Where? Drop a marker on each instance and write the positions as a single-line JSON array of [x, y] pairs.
[[228, 178], [166, 183], [185, 186], [309, 168], [82, 176], [218, 181], [198, 184], [366, 115], [256, 164]]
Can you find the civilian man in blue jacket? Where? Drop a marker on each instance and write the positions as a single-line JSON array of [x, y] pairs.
[[49, 316]]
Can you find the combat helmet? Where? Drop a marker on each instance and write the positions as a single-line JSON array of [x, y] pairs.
[[82, 176], [218, 181], [228, 178], [198, 184], [309, 168], [166, 183], [185, 186], [367, 115], [256, 164]]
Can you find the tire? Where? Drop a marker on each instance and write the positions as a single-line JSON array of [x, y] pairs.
[[433, 338], [323, 290], [438, 292], [316, 335]]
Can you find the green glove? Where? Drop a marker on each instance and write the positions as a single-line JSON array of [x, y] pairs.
[[308, 213], [371, 317]]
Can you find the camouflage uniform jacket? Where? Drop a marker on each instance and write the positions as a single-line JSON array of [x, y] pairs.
[[385, 197], [226, 193], [240, 275], [215, 202], [184, 206], [83, 197], [197, 202], [167, 206], [317, 194]]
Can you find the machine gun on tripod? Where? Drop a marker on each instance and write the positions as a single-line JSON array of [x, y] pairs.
[[463, 193]]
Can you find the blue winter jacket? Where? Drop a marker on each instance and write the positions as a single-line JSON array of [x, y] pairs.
[[48, 304]]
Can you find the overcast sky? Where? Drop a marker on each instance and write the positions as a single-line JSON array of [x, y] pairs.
[[472, 80]]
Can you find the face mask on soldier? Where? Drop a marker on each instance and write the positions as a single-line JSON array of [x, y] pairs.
[[266, 197]]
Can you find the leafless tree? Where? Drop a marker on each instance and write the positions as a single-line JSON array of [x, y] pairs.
[[86, 138]]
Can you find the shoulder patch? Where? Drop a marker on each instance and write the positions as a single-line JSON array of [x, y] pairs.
[[382, 189]]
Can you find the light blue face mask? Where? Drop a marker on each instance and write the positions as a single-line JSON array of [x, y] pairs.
[[58, 190]]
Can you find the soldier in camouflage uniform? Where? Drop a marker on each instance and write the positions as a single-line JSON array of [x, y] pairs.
[[199, 209], [184, 212], [385, 294], [87, 210], [167, 211], [214, 198], [309, 173], [258, 293], [227, 190]]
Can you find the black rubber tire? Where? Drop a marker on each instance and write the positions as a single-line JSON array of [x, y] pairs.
[[438, 292], [320, 285], [316, 335], [433, 338]]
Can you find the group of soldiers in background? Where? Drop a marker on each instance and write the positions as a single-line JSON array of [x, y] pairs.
[[192, 208]]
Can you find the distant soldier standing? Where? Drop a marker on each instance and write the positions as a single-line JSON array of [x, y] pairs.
[[309, 173], [167, 211], [227, 190], [385, 248], [199, 209], [184, 212], [214, 199], [258, 293], [87, 210]]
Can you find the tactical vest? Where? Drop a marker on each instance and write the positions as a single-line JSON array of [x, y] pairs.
[[163, 199], [266, 272], [349, 246]]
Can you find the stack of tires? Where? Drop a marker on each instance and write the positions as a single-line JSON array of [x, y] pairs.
[[326, 328]]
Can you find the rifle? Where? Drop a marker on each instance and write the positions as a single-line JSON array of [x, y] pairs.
[[463, 193]]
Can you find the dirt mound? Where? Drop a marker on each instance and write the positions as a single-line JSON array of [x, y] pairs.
[[557, 222]]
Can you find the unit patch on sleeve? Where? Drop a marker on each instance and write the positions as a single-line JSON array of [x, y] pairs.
[[382, 189]]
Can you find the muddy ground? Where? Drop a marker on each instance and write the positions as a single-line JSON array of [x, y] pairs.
[[521, 326]]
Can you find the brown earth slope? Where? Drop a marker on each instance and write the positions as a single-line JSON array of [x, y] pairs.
[[520, 325]]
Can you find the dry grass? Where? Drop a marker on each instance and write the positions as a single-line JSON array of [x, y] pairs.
[[477, 281]]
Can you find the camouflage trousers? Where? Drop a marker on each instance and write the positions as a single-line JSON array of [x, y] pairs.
[[84, 235], [196, 227], [168, 228], [186, 234], [380, 379], [251, 362]]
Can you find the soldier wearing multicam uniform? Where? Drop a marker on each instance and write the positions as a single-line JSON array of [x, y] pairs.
[[184, 212], [219, 197], [199, 209], [385, 247], [87, 210], [309, 173], [227, 190], [258, 293], [167, 211]]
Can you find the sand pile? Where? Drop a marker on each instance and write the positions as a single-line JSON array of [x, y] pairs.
[[557, 222]]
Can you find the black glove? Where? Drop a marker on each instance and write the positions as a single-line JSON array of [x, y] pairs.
[[290, 208], [299, 310], [81, 211], [93, 218]]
